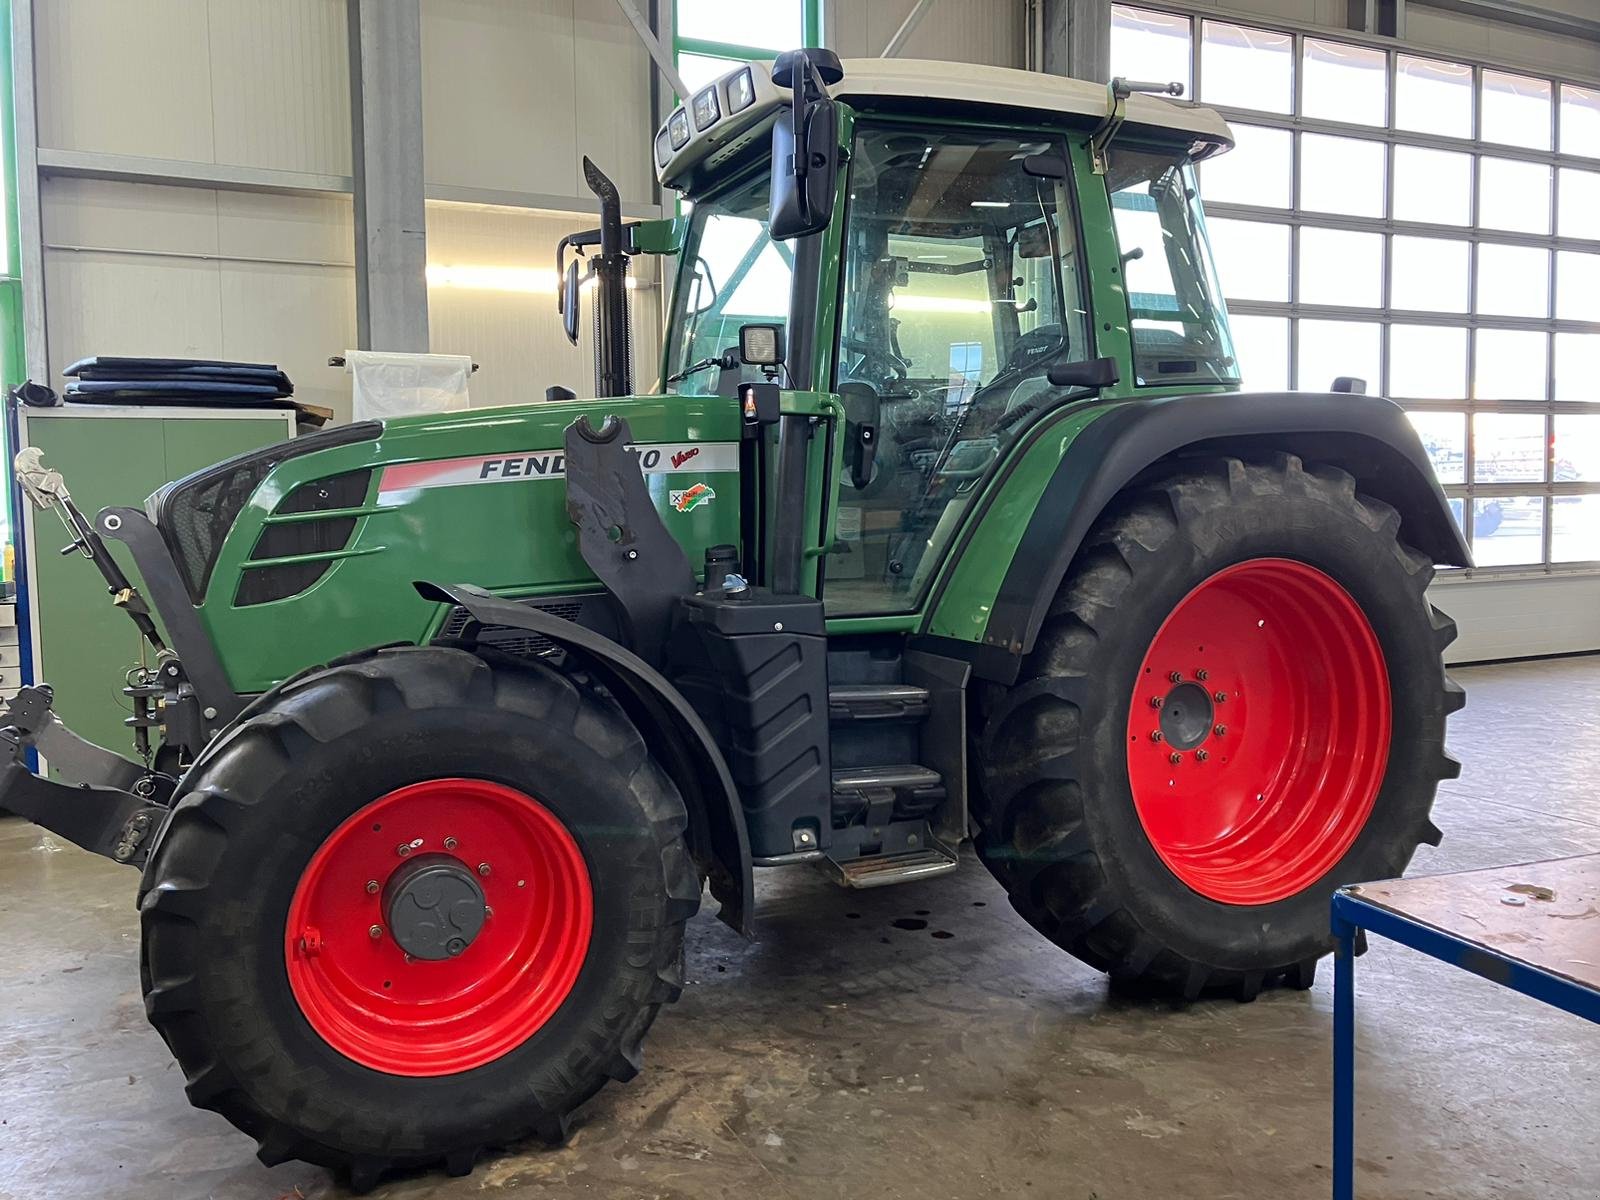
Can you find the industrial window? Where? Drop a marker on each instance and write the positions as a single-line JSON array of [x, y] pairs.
[[1428, 225], [711, 36]]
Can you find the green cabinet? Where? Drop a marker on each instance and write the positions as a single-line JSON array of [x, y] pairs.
[[80, 644]]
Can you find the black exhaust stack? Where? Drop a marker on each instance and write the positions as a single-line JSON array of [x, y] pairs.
[[613, 350]]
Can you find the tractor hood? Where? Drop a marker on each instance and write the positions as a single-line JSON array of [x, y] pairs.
[[285, 550]]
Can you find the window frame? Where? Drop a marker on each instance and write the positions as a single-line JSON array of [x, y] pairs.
[[1389, 135]]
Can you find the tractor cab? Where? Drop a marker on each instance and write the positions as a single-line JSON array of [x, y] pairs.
[[967, 257]]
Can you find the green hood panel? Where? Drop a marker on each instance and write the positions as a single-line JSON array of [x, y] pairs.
[[472, 497]]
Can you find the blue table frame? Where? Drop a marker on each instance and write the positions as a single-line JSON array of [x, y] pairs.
[[1353, 912]]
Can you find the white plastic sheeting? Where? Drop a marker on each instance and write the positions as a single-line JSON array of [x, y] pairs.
[[389, 384]]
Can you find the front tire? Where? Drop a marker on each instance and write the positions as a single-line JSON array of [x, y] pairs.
[[420, 906], [1236, 704]]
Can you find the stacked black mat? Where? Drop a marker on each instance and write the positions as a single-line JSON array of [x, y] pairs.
[[110, 380]]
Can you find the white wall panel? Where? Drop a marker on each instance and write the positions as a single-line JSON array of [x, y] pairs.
[[317, 229], [293, 315], [976, 31], [109, 303], [261, 83], [497, 94], [92, 213], [612, 79], [281, 84], [515, 336], [1515, 618], [124, 77], [188, 272]]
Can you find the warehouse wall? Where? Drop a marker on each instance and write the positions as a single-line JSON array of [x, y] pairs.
[[977, 31], [515, 92], [261, 83], [195, 273], [1516, 618]]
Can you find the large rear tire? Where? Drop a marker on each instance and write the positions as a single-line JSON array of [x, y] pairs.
[[420, 906], [1237, 703]]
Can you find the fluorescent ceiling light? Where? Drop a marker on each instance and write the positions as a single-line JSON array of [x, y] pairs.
[[991, 204]]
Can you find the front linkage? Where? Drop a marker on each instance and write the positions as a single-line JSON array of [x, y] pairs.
[[109, 804], [114, 806]]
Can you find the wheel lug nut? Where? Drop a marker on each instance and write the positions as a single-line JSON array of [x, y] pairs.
[[375, 931], [1202, 676], [450, 843], [1174, 757], [1201, 755], [405, 848], [372, 887], [1220, 697], [483, 868], [1176, 676], [1219, 730], [1155, 735], [1156, 701]]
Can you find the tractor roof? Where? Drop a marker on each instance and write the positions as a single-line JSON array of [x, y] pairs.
[[727, 115]]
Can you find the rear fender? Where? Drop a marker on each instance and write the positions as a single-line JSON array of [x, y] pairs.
[[675, 734], [1366, 435]]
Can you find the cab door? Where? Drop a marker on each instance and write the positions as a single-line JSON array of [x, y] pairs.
[[963, 285]]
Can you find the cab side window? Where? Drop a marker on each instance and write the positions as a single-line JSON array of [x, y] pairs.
[[961, 289]]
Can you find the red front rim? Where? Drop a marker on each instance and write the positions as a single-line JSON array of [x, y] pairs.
[[1258, 731], [403, 1015]]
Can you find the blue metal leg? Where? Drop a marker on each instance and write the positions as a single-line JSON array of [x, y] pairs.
[[1344, 1059]]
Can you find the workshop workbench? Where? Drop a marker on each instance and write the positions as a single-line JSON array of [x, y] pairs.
[[1534, 928]]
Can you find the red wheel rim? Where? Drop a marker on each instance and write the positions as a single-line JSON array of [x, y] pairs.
[[1258, 731], [402, 1015]]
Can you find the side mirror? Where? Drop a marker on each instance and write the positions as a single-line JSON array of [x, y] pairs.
[[1091, 373], [861, 414], [804, 171], [570, 302]]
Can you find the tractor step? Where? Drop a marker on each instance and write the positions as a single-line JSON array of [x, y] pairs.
[[881, 795], [881, 870], [877, 702]]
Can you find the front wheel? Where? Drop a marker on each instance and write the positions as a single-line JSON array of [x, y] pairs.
[[418, 906], [1237, 703]]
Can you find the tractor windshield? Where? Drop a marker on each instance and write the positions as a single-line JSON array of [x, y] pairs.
[[732, 274], [1180, 327]]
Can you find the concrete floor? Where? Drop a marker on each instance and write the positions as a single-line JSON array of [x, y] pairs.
[[843, 1056]]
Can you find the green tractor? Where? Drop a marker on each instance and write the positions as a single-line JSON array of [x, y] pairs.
[[947, 519]]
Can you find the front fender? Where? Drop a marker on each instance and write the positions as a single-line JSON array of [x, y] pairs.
[[675, 734], [1366, 435]]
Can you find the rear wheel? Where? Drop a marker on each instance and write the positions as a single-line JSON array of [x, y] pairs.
[[1236, 704], [420, 906]]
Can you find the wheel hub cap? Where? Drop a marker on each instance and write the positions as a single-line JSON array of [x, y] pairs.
[[1258, 731], [435, 907], [1186, 716]]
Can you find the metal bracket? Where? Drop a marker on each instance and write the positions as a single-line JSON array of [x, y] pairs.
[[103, 820], [1117, 93], [620, 532], [187, 636]]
